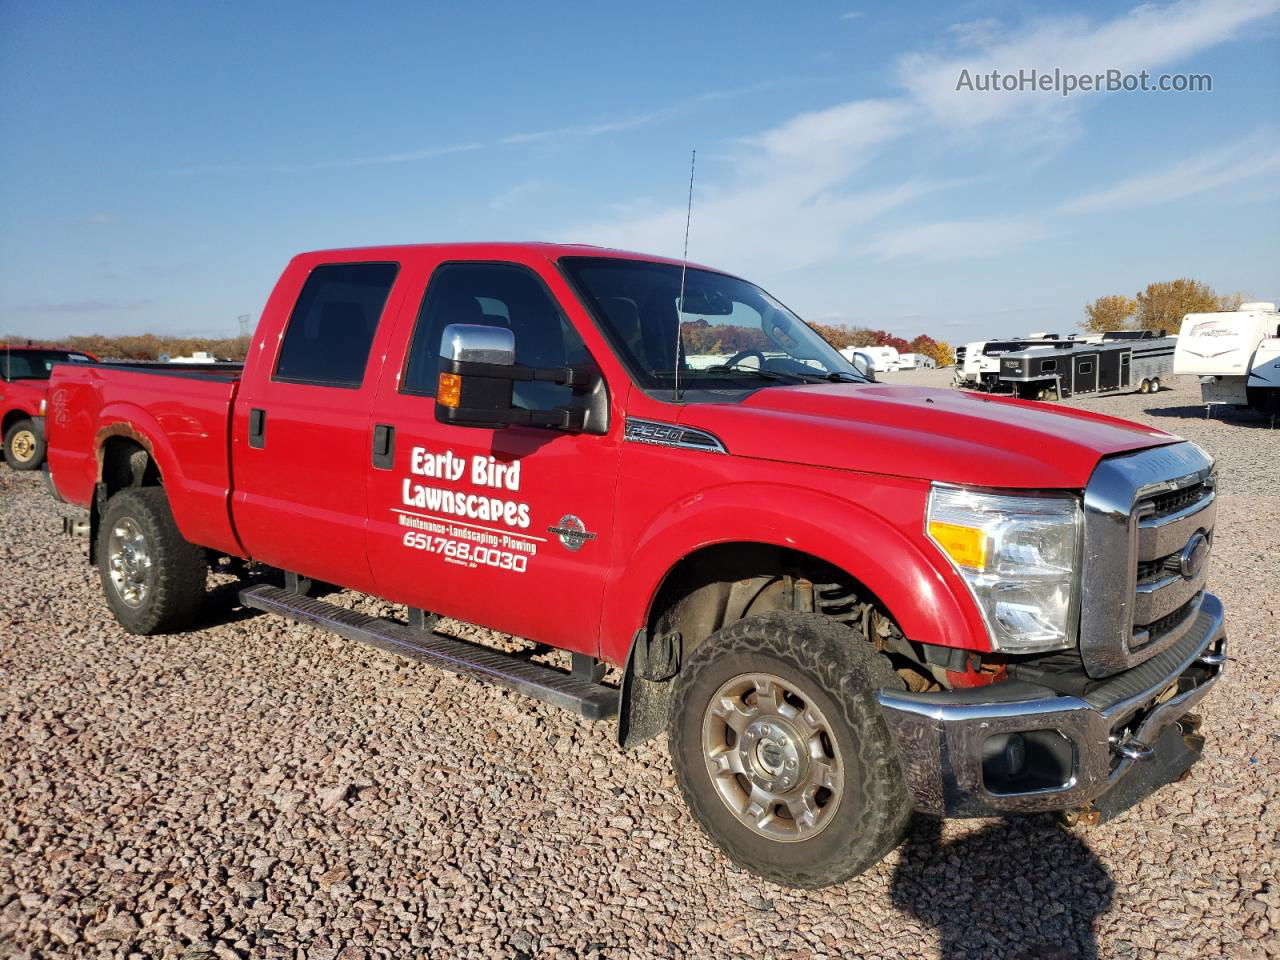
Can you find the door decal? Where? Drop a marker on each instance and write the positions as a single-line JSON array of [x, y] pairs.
[[440, 519]]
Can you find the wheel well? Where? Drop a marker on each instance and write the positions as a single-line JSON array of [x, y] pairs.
[[719, 585], [126, 463], [12, 417], [712, 588]]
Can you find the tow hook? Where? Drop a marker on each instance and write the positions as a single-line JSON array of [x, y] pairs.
[[1086, 816], [1212, 659], [74, 528], [1131, 748]]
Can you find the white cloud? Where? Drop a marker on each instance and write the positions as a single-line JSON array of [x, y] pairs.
[[786, 205], [1255, 156], [1149, 36], [516, 193], [852, 15], [784, 200], [975, 33], [957, 239]]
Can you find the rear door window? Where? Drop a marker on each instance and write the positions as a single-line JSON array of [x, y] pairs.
[[332, 325]]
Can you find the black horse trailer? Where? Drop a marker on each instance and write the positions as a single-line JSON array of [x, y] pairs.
[[1124, 360]]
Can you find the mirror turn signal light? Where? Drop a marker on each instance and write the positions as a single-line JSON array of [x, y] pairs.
[[449, 390]]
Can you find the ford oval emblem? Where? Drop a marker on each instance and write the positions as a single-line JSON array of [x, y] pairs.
[[1194, 556]]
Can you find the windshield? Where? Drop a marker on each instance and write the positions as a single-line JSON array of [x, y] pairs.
[[732, 334], [34, 364]]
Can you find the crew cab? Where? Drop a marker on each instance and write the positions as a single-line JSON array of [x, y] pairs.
[[841, 600], [24, 381]]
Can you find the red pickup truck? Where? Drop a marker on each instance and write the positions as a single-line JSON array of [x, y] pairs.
[[24, 381], [841, 600]]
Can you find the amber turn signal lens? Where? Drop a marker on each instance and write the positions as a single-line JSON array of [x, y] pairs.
[[449, 390], [967, 546]]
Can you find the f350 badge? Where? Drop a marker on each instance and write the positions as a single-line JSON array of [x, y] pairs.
[[573, 533]]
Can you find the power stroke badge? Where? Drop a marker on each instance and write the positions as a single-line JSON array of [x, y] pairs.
[[573, 533]]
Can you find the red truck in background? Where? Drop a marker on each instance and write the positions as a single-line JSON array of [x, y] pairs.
[[24, 382], [842, 600]]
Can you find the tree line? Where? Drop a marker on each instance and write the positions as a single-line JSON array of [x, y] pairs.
[[145, 346], [1161, 306], [840, 336], [699, 337]]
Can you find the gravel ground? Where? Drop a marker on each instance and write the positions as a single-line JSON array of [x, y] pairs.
[[261, 789]]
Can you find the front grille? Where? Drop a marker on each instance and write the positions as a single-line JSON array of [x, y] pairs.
[[1148, 529], [1163, 504], [1151, 570], [1172, 619]]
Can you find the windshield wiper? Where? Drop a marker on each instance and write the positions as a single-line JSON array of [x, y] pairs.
[[729, 373], [841, 376], [765, 374]]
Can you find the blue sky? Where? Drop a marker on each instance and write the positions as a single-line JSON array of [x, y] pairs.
[[159, 163]]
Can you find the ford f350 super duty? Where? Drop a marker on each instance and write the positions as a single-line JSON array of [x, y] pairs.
[[841, 600]]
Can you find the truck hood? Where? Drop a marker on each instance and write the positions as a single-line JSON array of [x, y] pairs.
[[952, 436]]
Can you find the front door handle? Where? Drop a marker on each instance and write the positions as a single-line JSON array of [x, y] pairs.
[[384, 446], [257, 428]]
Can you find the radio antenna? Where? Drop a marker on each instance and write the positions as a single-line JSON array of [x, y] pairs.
[[684, 266]]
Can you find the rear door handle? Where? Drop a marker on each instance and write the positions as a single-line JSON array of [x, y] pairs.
[[384, 446], [257, 428]]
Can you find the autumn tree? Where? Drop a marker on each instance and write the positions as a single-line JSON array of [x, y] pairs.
[[1111, 312], [1163, 305]]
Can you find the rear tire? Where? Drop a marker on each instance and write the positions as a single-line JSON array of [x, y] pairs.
[[1155, 384], [24, 447], [806, 790], [153, 579], [1144, 386]]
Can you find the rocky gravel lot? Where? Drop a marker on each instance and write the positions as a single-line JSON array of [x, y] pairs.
[[259, 789]]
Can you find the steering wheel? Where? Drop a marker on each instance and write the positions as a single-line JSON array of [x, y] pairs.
[[741, 355]]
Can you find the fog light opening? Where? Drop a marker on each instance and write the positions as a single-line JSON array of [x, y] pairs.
[[1026, 762]]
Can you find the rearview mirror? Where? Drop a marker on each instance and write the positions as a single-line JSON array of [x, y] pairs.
[[478, 374]]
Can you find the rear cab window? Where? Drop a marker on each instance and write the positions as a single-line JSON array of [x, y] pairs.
[[332, 326]]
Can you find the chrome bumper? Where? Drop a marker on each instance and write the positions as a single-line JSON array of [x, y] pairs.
[[1094, 740]]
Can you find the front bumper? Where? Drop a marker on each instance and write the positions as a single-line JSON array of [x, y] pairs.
[[1023, 747]]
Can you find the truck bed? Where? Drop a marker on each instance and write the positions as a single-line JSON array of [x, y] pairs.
[[181, 414]]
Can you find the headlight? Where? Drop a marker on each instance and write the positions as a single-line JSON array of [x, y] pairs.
[[1018, 555]]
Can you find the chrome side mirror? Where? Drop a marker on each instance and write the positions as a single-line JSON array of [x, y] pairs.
[[478, 373], [477, 343]]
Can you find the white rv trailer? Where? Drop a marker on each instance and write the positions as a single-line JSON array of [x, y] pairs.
[[1236, 355], [916, 361]]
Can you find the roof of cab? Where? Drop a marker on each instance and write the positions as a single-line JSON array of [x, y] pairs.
[[494, 250]]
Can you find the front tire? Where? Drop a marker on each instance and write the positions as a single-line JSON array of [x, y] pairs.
[[153, 579], [780, 750], [24, 447]]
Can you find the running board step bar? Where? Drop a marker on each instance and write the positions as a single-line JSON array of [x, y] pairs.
[[591, 700]]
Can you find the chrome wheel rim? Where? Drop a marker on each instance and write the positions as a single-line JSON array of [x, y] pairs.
[[772, 757], [129, 561], [23, 445]]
